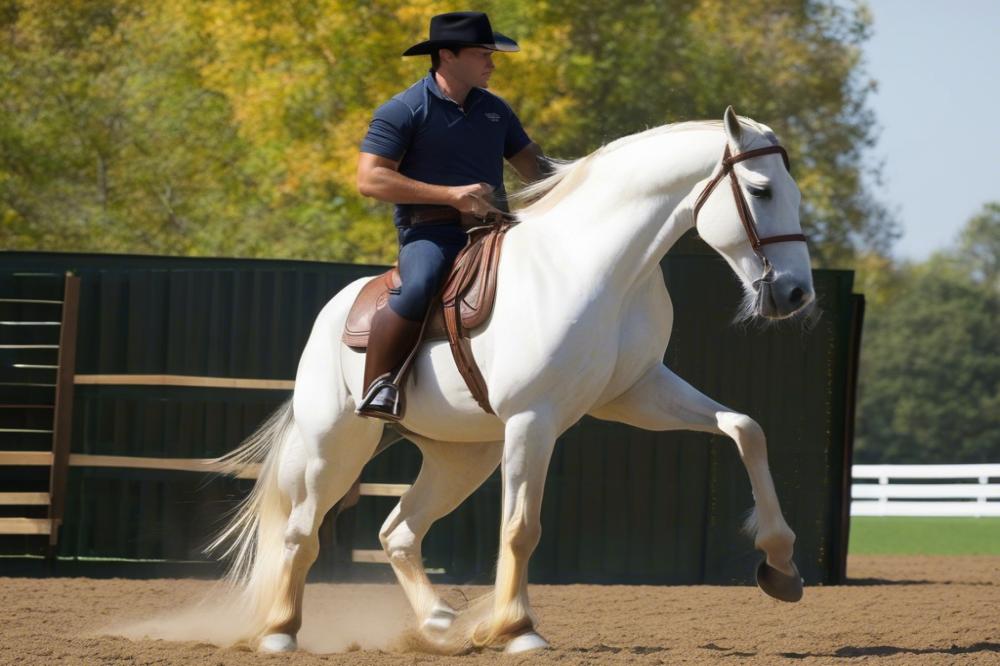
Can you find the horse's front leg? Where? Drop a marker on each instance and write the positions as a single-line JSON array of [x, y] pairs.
[[529, 438], [661, 400]]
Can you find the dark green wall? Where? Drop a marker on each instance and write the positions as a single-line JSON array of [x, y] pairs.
[[621, 505]]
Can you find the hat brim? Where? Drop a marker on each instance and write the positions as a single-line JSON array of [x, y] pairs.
[[500, 43]]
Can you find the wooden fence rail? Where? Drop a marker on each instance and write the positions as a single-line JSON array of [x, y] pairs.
[[889, 490]]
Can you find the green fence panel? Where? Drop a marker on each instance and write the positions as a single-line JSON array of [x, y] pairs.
[[621, 505]]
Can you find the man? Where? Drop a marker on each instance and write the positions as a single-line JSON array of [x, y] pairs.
[[436, 150]]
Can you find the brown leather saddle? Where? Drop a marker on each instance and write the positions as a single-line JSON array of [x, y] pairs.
[[466, 303]]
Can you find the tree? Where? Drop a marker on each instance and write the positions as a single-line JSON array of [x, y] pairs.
[[794, 65], [232, 128], [930, 377], [979, 247], [107, 140]]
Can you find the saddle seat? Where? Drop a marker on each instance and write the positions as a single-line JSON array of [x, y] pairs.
[[466, 303]]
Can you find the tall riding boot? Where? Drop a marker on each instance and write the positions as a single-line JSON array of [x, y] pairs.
[[391, 340]]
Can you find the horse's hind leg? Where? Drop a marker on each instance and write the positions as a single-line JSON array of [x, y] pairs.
[[663, 401], [450, 472], [316, 469]]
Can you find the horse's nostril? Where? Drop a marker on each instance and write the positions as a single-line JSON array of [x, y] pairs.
[[796, 296]]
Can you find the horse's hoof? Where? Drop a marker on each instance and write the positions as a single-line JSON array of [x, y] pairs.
[[278, 643], [526, 642], [779, 585], [439, 620]]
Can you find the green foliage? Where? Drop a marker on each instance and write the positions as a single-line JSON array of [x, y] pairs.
[[231, 128], [930, 375], [979, 247], [108, 145], [793, 65]]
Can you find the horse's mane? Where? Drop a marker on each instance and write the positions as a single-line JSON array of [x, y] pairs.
[[543, 194]]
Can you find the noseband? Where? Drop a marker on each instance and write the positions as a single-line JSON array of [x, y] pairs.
[[743, 208]]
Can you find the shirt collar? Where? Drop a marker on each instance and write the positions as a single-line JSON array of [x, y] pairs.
[[432, 85]]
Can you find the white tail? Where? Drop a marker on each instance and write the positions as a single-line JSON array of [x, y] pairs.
[[254, 537]]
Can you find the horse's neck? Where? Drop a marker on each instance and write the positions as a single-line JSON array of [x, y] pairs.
[[619, 222]]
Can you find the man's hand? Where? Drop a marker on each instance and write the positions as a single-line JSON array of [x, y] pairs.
[[476, 200]]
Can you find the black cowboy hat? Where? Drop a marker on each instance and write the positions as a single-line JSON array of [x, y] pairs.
[[462, 29]]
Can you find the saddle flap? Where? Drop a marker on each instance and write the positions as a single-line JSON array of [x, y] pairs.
[[373, 297], [477, 301]]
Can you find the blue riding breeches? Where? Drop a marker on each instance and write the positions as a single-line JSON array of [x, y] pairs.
[[425, 259]]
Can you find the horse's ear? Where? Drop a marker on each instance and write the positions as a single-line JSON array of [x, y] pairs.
[[734, 132]]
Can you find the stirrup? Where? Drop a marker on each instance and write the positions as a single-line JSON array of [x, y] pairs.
[[395, 411]]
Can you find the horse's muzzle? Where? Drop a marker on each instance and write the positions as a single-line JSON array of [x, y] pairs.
[[782, 296]]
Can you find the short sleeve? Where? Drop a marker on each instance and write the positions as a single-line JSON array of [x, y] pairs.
[[516, 138], [390, 131]]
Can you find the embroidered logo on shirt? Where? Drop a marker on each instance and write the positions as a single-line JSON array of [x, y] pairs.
[[495, 117]]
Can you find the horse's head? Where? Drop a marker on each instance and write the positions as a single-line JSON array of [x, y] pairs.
[[749, 213]]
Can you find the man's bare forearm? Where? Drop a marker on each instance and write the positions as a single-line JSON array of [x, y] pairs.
[[531, 163], [379, 178], [391, 186]]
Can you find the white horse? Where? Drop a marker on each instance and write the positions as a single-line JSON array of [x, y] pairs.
[[580, 326]]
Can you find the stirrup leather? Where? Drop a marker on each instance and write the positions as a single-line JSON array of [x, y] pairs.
[[365, 408]]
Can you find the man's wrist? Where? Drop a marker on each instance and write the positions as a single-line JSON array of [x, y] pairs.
[[449, 197]]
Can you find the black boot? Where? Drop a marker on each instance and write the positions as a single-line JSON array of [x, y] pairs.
[[391, 340]]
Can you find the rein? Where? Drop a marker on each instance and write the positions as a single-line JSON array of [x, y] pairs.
[[743, 208], [493, 221]]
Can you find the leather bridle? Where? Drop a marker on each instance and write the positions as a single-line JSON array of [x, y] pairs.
[[743, 208]]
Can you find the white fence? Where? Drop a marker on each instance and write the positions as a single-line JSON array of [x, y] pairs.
[[969, 495]]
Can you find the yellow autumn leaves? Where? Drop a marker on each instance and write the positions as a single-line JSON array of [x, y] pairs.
[[226, 127]]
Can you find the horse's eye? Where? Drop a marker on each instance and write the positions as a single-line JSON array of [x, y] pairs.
[[759, 192]]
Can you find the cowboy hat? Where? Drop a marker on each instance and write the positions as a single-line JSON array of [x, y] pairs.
[[462, 29]]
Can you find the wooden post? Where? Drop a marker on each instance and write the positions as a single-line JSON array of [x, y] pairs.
[[62, 421], [851, 386]]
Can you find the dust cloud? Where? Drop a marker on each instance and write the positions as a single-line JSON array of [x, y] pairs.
[[335, 619]]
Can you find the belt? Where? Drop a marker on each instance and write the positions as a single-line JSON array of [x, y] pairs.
[[431, 216], [449, 215]]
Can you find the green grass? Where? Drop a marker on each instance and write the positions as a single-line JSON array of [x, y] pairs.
[[872, 535]]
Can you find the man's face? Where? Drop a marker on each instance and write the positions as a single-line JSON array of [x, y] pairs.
[[472, 66]]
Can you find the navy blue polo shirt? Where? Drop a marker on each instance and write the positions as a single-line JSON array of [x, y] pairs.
[[438, 142]]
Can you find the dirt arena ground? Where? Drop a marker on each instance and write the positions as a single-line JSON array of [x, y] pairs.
[[912, 610]]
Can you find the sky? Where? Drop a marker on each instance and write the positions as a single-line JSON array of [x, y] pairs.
[[937, 65]]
